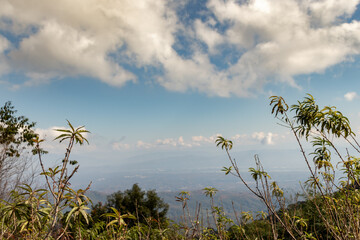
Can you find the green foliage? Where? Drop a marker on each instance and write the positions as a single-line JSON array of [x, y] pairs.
[[224, 143], [118, 218], [147, 207], [16, 142], [183, 197], [210, 191], [15, 132], [279, 105], [72, 134]]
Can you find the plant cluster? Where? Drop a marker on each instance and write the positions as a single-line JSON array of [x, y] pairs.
[[331, 209]]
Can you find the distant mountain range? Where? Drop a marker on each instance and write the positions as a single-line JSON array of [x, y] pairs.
[[232, 202], [184, 171]]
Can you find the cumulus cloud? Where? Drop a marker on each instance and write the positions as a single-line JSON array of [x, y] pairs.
[[255, 138], [140, 144], [79, 39], [265, 40], [350, 96], [206, 34], [120, 146], [48, 133], [63, 51], [172, 142], [281, 39], [199, 140], [264, 138], [328, 12]]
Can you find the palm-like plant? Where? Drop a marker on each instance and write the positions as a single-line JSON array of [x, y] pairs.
[[58, 178], [39, 210], [78, 203], [12, 215], [118, 218], [118, 223], [73, 134]]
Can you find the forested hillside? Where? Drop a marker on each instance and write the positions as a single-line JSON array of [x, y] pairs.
[[229, 200]]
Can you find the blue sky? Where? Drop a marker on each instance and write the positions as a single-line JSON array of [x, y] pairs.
[[156, 75]]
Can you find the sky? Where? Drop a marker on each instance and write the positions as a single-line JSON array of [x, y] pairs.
[[165, 76]]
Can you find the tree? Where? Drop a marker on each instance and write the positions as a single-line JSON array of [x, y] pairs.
[[147, 207], [16, 140]]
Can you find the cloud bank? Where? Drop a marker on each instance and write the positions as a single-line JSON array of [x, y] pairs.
[[229, 48], [256, 138]]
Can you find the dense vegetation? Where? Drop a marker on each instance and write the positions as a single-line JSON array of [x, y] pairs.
[[56, 211]]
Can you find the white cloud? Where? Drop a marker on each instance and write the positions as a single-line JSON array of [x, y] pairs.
[[328, 12], [279, 39], [78, 39], [61, 51], [208, 35], [255, 138], [198, 139], [167, 141], [48, 134], [274, 40], [350, 96], [181, 142], [140, 144], [258, 135], [120, 146], [268, 140], [201, 139], [173, 142]]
